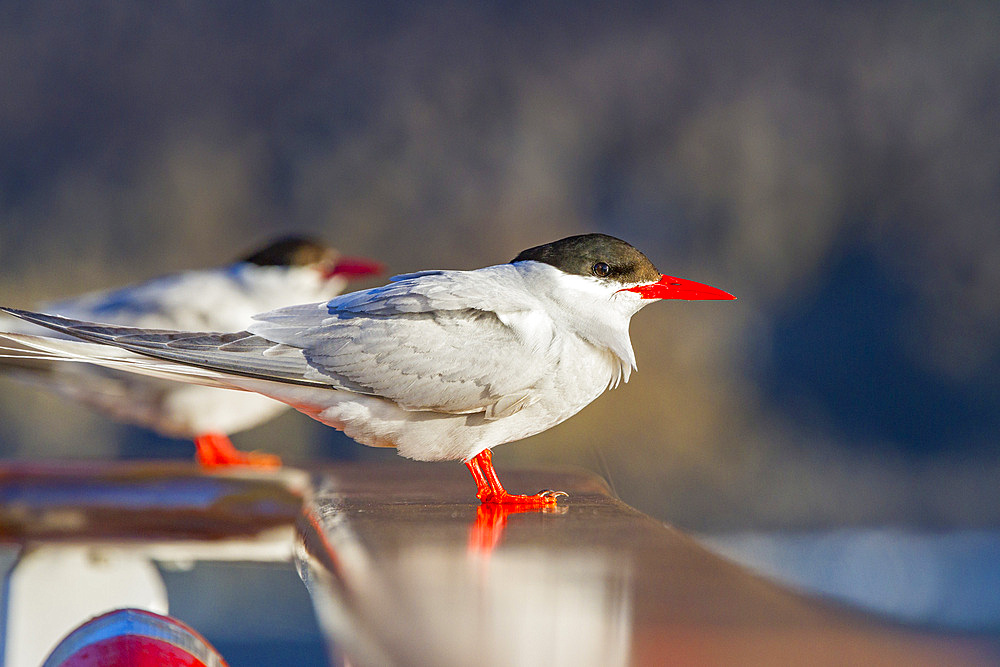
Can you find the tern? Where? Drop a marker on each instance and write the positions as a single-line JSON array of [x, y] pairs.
[[441, 365], [287, 270]]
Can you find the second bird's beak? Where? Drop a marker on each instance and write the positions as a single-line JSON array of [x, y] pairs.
[[354, 267]]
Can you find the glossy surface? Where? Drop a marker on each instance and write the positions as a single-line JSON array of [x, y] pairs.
[[403, 567], [143, 501], [407, 571]]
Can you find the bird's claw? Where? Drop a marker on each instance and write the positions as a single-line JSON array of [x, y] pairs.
[[544, 499], [549, 499]]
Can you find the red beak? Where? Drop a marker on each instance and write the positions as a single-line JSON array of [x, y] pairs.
[[668, 287], [354, 267]]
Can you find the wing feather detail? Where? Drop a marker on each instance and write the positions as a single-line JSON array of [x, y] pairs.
[[440, 340], [456, 342]]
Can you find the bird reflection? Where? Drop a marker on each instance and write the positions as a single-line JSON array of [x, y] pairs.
[[487, 530], [386, 592]]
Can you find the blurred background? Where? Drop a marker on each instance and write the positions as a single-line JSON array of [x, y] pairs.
[[834, 165]]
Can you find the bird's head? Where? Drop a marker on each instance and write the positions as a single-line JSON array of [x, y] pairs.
[[616, 267], [309, 253]]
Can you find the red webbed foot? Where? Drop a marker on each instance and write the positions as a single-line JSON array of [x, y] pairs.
[[490, 490], [216, 450]]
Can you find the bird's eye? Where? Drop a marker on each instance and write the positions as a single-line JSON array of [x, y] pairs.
[[601, 269]]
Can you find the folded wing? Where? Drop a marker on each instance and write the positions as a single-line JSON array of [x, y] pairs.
[[445, 342]]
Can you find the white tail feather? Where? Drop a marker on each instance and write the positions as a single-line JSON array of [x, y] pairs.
[[55, 350]]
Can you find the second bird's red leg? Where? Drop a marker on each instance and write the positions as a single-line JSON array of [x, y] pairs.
[[216, 449], [490, 490]]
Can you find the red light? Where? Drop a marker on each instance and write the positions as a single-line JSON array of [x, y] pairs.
[[134, 638]]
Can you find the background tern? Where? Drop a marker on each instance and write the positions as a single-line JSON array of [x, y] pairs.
[[441, 365], [288, 270]]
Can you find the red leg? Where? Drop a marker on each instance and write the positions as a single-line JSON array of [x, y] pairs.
[[490, 490], [215, 449], [483, 490]]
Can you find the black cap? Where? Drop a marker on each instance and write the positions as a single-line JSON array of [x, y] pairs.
[[289, 251], [596, 255]]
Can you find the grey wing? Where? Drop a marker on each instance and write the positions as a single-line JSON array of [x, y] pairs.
[[132, 305], [497, 289], [446, 341], [415, 346], [456, 361], [240, 353], [208, 299]]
